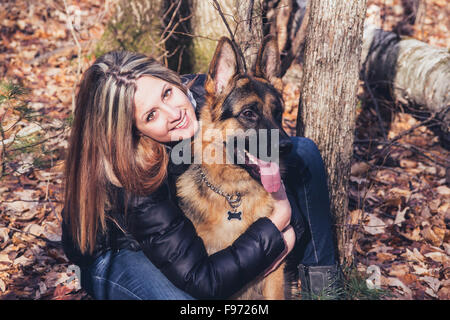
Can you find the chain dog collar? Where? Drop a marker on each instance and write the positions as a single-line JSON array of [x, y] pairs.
[[234, 200]]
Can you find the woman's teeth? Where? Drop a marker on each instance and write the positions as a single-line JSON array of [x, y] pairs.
[[182, 123]]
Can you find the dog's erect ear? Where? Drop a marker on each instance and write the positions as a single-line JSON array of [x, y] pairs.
[[268, 60], [224, 66]]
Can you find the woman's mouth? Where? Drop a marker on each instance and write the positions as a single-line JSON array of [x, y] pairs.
[[183, 123]]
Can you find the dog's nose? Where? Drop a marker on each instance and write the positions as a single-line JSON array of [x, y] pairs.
[[285, 147]]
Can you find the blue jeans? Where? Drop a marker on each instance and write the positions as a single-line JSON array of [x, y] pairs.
[[307, 179], [129, 274]]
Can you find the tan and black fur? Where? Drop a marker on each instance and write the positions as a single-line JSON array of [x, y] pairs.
[[229, 93]]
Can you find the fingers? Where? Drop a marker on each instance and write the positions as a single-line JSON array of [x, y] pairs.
[[289, 240], [281, 193]]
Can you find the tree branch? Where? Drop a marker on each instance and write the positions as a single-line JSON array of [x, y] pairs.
[[217, 7]]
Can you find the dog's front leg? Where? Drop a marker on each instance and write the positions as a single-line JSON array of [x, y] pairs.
[[273, 288]]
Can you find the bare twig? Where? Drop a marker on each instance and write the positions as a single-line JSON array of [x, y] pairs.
[[172, 18], [377, 108], [37, 200], [217, 7], [72, 31], [431, 118], [55, 243], [194, 35], [250, 14], [445, 162], [172, 31], [40, 142]]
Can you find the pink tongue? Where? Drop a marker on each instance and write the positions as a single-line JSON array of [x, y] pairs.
[[270, 175]]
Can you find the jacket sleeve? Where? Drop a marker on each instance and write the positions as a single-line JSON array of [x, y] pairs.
[[169, 240]]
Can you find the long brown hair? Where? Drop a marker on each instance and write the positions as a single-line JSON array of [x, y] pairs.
[[105, 147]]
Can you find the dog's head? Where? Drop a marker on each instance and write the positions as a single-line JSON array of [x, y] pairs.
[[248, 105]]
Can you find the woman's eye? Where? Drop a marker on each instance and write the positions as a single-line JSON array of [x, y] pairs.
[[151, 116], [167, 93]]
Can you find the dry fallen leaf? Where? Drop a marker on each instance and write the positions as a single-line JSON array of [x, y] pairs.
[[4, 237], [23, 261], [4, 259], [2, 285], [444, 293], [375, 225], [61, 292], [407, 163], [420, 270], [402, 192], [34, 229], [433, 283], [431, 236], [414, 255], [399, 270], [400, 217], [395, 282], [359, 168], [443, 191], [447, 248], [385, 256], [437, 256], [52, 231], [414, 235]]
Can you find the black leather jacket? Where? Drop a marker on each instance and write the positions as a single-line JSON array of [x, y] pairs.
[[155, 224]]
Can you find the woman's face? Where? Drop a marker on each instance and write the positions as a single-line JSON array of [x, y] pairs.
[[163, 112]]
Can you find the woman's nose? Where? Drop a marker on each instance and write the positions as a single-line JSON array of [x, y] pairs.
[[173, 113]]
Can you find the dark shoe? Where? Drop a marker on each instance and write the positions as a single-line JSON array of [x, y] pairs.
[[321, 281]]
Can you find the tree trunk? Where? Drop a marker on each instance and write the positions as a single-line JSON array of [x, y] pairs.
[[288, 21], [207, 28], [328, 98], [411, 71], [244, 19], [249, 31], [135, 26]]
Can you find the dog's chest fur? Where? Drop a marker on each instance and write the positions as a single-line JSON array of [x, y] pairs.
[[209, 211]]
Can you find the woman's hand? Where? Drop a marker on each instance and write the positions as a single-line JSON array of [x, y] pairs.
[[281, 217], [289, 240], [281, 214]]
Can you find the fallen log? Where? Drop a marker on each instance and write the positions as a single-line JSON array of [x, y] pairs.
[[411, 71]]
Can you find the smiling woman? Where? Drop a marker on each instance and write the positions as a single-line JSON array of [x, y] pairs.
[[163, 111]]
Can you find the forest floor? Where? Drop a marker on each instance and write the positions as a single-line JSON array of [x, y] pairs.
[[399, 187]]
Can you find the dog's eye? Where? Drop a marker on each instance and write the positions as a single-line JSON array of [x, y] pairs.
[[249, 114]]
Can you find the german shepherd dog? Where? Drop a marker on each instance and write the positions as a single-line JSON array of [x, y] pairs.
[[239, 101]]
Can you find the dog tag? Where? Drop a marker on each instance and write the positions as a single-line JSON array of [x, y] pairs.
[[234, 215]]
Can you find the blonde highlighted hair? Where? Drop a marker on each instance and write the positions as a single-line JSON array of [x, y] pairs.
[[105, 147]]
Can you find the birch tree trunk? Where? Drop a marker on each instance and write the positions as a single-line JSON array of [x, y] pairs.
[[411, 71], [244, 19], [328, 98]]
